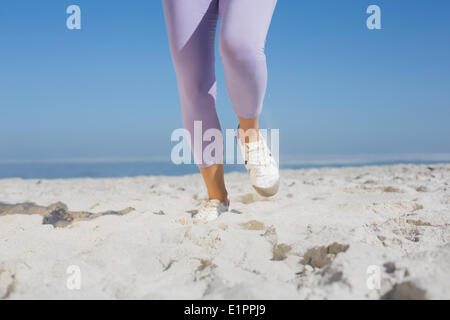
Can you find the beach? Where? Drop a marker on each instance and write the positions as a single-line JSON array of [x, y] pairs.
[[375, 232]]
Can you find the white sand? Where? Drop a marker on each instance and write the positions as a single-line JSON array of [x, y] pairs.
[[395, 214]]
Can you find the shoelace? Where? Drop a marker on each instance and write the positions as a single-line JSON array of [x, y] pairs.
[[257, 156]]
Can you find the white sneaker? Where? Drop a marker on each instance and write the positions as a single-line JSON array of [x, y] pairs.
[[210, 210], [261, 166]]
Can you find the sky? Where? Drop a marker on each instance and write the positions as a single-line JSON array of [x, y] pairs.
[[108, 91]]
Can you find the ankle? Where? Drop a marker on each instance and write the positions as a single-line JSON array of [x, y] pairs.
[[248, 135], [222, 198], [248, 130]]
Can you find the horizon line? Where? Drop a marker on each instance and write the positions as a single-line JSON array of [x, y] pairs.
[[312, 159]]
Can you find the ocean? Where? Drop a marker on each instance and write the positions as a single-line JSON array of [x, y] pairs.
[[67, 170]]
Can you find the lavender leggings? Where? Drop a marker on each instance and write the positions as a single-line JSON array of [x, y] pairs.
[[191, 26]]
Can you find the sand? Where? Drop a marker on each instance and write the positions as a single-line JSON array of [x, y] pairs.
[[351, 233]]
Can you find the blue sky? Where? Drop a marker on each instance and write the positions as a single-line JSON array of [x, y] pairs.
[[335, 87]]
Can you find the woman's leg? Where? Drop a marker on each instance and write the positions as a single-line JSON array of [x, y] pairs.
[[215, 182], [243, 33], [191, 27]]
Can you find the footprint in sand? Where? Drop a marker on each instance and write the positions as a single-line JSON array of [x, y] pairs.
[[253, 225], [405, 291], [249, 198], [279, 250], [56, 214], [319, 257]]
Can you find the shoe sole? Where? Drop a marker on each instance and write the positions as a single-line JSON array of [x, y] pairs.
[[268, 192]]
